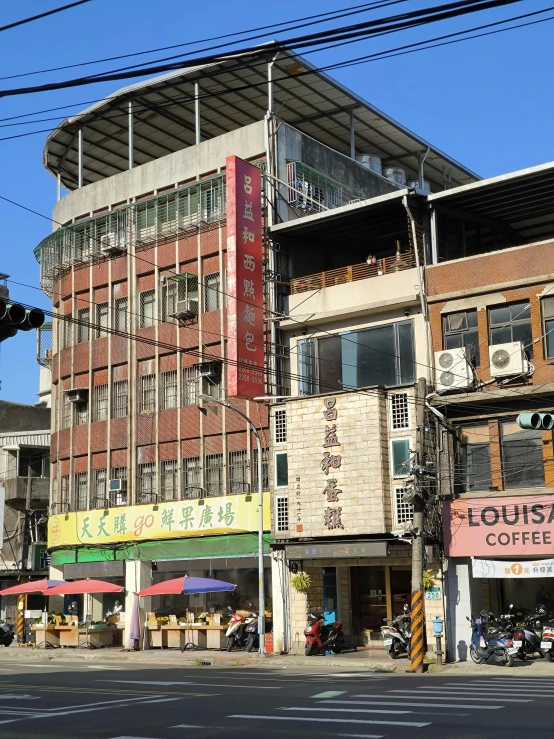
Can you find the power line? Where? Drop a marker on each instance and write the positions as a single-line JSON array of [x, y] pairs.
[[42, 15]]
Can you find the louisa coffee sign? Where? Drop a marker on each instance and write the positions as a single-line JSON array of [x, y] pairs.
[[499, 526]]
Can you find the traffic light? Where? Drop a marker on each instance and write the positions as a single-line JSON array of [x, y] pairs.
[[536, 421], [15, 317]]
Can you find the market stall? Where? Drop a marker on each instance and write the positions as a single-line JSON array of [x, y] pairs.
[[30, 588]]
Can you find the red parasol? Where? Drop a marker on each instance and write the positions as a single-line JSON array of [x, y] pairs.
[[84, 586], [37, 586], [185, 585]]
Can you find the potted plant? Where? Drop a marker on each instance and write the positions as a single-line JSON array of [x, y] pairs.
[[301, 582]]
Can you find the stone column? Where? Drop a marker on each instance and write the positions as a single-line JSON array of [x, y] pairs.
[[138, 575]]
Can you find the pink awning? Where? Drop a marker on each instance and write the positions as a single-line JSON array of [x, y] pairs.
[[36, 586], [84, 586]]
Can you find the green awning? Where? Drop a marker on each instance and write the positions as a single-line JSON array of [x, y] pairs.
[[231, 545]]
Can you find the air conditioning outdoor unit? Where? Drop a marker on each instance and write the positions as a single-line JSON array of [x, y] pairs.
[[209, 369], [186, 308], [453, 370], [508, 359], [118, 491], [109, 245], [118, 486], [76, 395]]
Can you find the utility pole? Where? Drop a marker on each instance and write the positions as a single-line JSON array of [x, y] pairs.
[[417, 642], [22, 601]]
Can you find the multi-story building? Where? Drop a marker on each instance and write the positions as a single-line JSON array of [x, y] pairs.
[[490, 292], [141, 273]]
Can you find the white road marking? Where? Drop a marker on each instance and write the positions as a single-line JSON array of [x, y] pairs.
[[417, 705], [248, 716], [329, 694], [19, 697], [363, 736], [504, 692], [421, 693], [163, 700], [335, 710], [187, 682], [190, 726]]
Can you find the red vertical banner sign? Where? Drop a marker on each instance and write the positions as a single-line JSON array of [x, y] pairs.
[[245, 314]]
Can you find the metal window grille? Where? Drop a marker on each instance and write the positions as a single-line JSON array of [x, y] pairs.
[[280, 426], [100, 403], [169, 299], [282, 513], [147, 308], [64, 492], [120, 399], [100, 499], [213, 471], [192, 477], [121, 309], [181, 296], [169, 390], [67, 331], [147, 394], [81, 490], [189, 387], [403, 512], [311, 191], [265, 469], [66, 412], [81, 413], [101, 320], [212, 287], [400, 411], [146, 483], [119, 497], [169, 487], [238, 472], [83, 329]]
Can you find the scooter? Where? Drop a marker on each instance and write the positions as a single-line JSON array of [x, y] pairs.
[[236, 633], [527, 636], [397, 634], [6, 635], [321, 636], [547, 641], [251, 631], [489, 643]]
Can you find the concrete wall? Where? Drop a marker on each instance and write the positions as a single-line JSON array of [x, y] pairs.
[[22, 417]]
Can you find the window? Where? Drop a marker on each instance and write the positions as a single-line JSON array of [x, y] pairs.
[[119, 497], [522, 459], [101, 320], [238, 472], [120, 399], [212, 287], [377, 356], [81, 413], [476, 458], [147, 309], [281, 470], [460, 329], [120, 310], [511, 322], [169, 487], [66, 411], [35, 462], [403, 512], [100, 499], [548, 324], [212, 386], [147, 394], [189, 388], [265, 469], [100, 403], [67, 331], [280, 426], [399, 411], [146, 483], [81, 489], [83, 331], [281, 513], [192, 477], [64, 490], [214, 474], [401, 457], [169, 299], [168, 390]]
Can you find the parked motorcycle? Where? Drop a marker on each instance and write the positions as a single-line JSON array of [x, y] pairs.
[[321, 636], [6, 635], [489, 643], [527, 636], [397, 634], [547, 641], [251, 631], [236, 631]]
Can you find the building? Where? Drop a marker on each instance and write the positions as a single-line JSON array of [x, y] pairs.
[[490, 291], [146, 299]]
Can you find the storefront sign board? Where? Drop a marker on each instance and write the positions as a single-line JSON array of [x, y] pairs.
[[185, 518], [433, 594], [344, 549], [514, 526], [502, 569]]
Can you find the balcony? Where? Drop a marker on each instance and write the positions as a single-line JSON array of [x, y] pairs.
[[16, 492]]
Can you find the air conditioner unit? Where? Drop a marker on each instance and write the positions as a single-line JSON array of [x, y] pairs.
[[209, 369], [109, 245], [453, 370], [76, 395], [118, 486], [508, 359], [186, 308]]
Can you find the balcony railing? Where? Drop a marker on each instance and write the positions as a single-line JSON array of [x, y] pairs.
[[352, 273], [140, 224], [312, 192]]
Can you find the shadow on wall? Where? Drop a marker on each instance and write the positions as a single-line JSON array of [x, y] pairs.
[[462, 651]]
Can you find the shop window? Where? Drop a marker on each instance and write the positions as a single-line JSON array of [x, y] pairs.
[[238, 472], [81, 491], [548, 325], [213, 471], [378, 356], [189, 386], [83, 328], [460, 329], [399, 411], [147, 308], [403, 512], [102, 320], [147, 394], [522, 458], [120, 399], [192, 477], [265, 469], [511, 322], [281, 513], [120, 314], [280, 426], [169, 484], [281, 470], [100, 403], [146, 483], [212, 292], [168, 390], [99, 499], [401, 457]]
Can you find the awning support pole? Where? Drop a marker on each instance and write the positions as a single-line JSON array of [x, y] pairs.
[[80, 158], [131, 137], [197, 112]]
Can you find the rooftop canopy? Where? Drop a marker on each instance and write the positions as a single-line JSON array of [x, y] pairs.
[[234, 93]]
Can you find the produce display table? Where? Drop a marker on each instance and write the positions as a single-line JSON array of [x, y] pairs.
[[76, 636], [176, 636]]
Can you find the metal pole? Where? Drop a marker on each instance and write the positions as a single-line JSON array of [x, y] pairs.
[[197, 111], [80, 158], [59, 188], [417, 642], [352, 136], [439, 650], [131, 137], [434, 238]]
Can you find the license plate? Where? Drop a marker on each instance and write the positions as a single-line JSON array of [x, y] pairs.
[[517, 644], [546, 645], [387, 642], [512, 650]]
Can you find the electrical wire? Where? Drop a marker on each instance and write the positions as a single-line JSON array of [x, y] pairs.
[[42, 15]]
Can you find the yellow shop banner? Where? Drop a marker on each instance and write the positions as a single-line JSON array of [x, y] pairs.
[[233, 514]]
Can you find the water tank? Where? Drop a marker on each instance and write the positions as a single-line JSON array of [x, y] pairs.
[[370, 161], [415, 184], [395, 174]]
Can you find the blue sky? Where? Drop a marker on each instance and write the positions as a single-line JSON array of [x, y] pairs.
[[487, 102]]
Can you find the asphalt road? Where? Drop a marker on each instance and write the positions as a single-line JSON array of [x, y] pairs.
[[110, 701]]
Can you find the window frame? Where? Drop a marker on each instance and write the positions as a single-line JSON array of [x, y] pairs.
[[212, 294], [277, 500], [117, 405], [408, 398], [528, 349], [393, 441], [150, 407], [446, 332], [276, 470], [545, 330], [280, 428], [169, 391], [396, 490], [102, 320], [83, 331], [121, 307], [146, 321], [98, 416]]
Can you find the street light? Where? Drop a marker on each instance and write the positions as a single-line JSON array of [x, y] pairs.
[[261, 590]]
